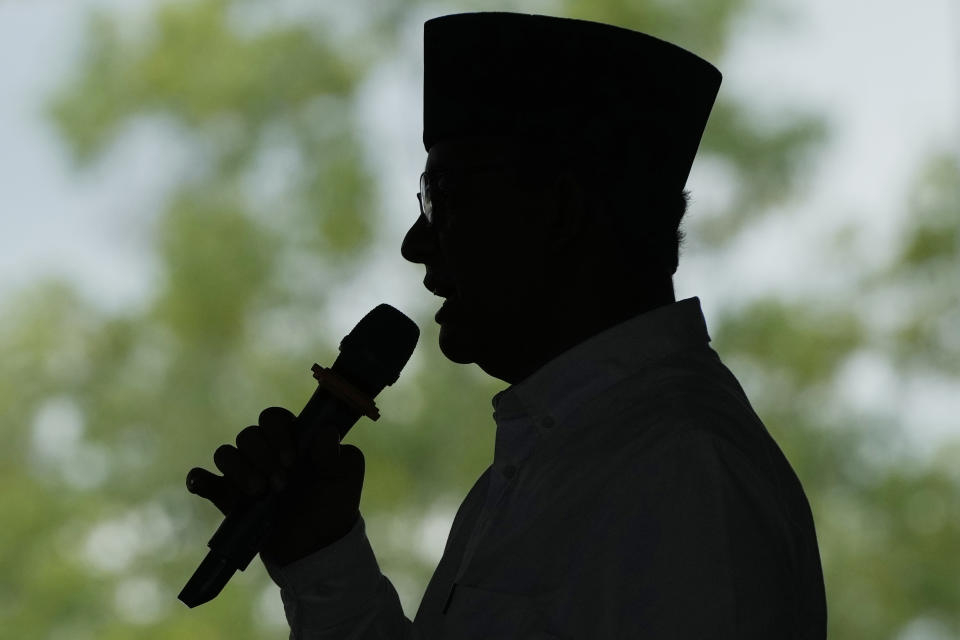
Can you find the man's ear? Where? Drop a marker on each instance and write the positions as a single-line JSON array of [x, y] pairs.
[[568, 212]]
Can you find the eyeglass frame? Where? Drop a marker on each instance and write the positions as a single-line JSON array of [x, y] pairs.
[[427, 212], [514, 171]]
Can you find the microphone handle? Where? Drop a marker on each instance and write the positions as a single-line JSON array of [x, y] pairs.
[[242, 533], [241, 540]]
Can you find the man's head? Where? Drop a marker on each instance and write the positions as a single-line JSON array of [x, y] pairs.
[[521, 243], [558, 150]]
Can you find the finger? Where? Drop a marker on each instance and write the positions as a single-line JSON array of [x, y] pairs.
[[276, 417], [239, 470], [280, 435], [258, 450], [214, 488], [279, 423], [264, 456]]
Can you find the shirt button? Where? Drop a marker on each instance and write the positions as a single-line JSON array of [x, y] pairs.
[[509, 471], [546, 422]]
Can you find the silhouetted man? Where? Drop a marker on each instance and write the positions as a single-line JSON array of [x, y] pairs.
[[634, 493]]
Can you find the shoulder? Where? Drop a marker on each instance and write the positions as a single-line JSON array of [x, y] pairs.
[[697, 411]]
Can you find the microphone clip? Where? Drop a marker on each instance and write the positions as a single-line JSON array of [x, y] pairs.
[[336, 385]]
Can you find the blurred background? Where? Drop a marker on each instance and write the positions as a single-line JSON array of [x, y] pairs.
[[199, 198]]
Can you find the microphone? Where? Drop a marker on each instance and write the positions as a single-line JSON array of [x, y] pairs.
[[371, 357]]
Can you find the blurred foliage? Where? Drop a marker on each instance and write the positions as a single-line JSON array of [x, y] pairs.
[[105, 412]]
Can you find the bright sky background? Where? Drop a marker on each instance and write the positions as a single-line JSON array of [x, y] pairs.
[[886, 72]]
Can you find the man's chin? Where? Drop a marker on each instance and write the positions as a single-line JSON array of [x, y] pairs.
[[455, 343], [456, 340]]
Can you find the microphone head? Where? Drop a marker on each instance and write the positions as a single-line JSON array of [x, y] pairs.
[[378, 347]]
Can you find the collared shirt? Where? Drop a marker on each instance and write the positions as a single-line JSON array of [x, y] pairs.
[[634, 493]]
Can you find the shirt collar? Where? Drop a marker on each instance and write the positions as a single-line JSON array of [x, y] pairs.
[[552, 392]]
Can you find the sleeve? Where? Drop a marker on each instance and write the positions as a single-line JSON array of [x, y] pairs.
[[687, 545], [339, 592]]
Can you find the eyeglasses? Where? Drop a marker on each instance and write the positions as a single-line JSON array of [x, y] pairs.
[[436, 188], [425, 197]]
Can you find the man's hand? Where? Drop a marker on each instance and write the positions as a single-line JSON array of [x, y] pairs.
[[325, 483]]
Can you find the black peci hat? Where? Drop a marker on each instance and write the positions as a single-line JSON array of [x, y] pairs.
[[628, 97]]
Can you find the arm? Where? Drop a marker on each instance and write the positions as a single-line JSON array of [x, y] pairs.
[[687, 545], [339, 593]]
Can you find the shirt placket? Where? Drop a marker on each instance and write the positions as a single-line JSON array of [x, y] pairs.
[[513, 445]]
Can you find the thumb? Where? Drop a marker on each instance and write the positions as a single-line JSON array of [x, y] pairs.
[[350, 477], [325, 451], [352, 463]]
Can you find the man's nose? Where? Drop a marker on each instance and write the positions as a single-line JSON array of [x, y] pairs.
[[420, 242]]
